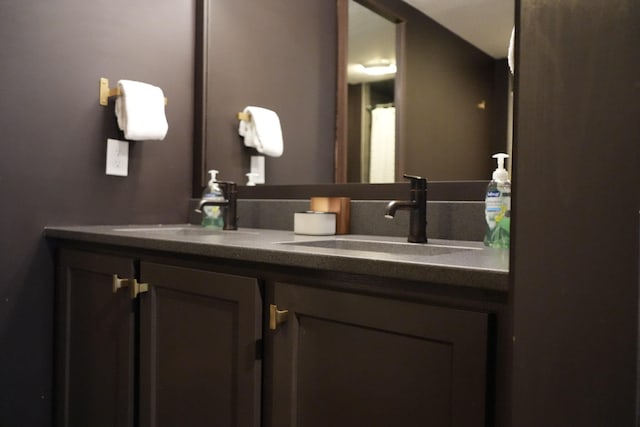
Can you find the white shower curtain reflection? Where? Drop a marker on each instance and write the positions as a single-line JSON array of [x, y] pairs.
[[383, 145]]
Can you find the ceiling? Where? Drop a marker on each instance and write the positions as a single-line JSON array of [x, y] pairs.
[[486, 24]]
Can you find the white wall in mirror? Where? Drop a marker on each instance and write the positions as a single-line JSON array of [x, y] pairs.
[[486, 24]]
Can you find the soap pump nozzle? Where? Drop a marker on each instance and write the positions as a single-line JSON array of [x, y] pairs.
[[213, 189], [500, 174], [213, 176]]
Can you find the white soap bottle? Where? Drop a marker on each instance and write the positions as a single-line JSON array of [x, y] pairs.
[[498, 206], [211, 214]]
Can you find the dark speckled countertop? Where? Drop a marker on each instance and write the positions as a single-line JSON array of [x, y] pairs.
[[458, 263]]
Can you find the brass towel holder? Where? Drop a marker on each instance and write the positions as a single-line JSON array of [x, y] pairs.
[[244, 116], [106, 92]]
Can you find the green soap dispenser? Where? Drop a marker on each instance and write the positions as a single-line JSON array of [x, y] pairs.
[[211, 214], [498, 206]]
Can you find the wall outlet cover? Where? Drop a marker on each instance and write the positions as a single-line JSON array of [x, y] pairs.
[[117, 157]]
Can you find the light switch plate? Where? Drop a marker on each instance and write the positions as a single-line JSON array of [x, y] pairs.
[[117, 157]]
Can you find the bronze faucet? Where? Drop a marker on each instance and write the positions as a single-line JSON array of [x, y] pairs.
[[228, 206], [418, 209]]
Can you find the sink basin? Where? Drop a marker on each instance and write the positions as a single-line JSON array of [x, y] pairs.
[[397, 248], [179, 230]]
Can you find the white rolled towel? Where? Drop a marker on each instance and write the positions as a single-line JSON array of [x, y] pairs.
[[140, 111], [262, 131]]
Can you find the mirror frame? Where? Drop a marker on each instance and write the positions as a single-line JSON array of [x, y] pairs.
[[442, 190], [199, 170]]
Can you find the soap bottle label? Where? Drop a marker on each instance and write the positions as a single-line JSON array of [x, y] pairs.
[[493, 204], [497, 214], [212, 215]]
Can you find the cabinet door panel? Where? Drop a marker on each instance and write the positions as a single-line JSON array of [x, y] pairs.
[[344, 359], [199, 332], [95, 342]]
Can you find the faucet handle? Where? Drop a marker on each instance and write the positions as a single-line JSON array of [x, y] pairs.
[[227, 187], [417, 182]]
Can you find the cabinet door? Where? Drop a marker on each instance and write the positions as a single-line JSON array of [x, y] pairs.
[[345, 360], [94, 342], [199, 337]]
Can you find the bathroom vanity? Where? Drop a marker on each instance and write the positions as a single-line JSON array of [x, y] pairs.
[[178, 325]]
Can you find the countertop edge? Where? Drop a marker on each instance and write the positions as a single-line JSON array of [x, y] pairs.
[[339, 261]]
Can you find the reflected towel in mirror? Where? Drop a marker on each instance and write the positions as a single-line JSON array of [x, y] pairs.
[[262, 131]]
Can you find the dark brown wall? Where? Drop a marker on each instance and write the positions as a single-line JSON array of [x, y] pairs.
[[279, 55], [447, 136], [576, 203], [53, 138]]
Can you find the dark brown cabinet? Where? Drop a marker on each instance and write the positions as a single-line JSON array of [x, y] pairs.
[[343, 359], [196, 334], [151, 343]]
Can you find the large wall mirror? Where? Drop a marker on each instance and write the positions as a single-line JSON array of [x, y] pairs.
[[450, 94]]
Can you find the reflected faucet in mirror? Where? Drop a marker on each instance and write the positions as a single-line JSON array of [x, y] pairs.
[[228, 205], [417, 206]]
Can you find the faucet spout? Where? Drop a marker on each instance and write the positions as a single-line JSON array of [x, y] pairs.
[[394, 205], [211, 202], [417, 208]]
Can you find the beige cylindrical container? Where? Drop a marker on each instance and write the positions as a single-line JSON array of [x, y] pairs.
[[314, 223]]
